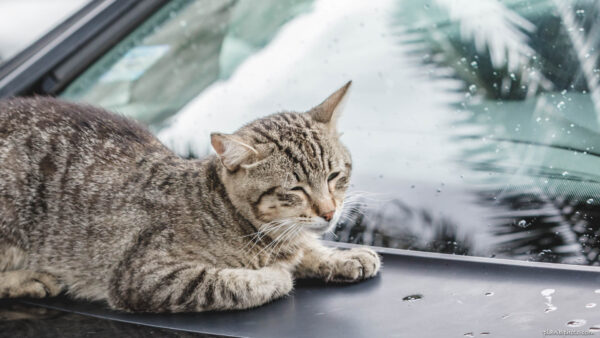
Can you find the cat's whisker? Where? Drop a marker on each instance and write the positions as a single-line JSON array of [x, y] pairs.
[[296, 228], [266, 228], [274, 242]]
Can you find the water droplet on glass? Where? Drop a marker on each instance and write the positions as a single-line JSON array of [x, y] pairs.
[[597, 291], [565, 173], [595, 328], [561, 105], [489, 294], [547, 292], [576, 323], [550, 308], [469, 334], [473, 88], [538, 119], [474, 64], [564, 91], [580, 12], [522, 223], [590, 305], [590, 201], [438, 190], [572, 125], [485, 333], [412, 186]]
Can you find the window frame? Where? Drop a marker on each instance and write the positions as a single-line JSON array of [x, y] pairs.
[[55, 59]]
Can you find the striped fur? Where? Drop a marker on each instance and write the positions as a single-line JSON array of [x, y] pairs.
[[94, 205]]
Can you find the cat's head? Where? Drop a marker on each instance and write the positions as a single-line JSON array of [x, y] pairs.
[[288, 170]]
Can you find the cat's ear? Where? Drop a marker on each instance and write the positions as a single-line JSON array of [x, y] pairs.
[[329, 110], [232, 150]]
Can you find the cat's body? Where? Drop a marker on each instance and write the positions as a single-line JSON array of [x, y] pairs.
[[93, 204]]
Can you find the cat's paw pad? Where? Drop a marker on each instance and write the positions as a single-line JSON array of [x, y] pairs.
[[355, 264]]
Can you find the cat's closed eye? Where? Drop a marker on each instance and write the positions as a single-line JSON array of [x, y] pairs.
[[300, 189], [333, 176]]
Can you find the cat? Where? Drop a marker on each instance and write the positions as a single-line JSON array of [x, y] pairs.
[[92, 204]]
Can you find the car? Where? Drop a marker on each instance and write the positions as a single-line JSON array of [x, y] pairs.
[[473, 128]]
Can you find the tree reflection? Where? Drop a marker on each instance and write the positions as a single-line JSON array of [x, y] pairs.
[[394, 224]]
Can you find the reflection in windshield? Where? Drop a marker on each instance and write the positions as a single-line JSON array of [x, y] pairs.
[[473, 125]]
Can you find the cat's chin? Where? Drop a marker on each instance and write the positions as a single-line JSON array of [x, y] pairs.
[[319, 228]]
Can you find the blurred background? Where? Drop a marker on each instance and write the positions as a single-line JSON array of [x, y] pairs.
[[474, 125]]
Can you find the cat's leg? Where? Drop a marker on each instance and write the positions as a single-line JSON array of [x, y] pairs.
[[25, 283], [337, 265], [187, 287]]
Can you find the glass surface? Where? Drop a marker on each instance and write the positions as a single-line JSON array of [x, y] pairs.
[[474, 125]]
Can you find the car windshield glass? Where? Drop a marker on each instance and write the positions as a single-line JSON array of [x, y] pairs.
[[474, 126]]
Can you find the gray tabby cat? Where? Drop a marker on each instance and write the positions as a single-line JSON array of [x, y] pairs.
[[93, 204]]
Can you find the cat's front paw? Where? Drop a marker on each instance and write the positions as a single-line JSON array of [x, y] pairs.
[[354, 265]]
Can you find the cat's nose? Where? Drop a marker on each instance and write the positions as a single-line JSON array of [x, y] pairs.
[[328, 215]]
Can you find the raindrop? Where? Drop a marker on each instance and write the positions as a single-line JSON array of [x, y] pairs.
[[472, 88], [590, 305], [474, 64], [572, 125], [522, 223], [564, 91], [561, 105], [438, 190], [597, 291], [412, 186], [590, 201], [538, 119], [576, 323], [469, 334], [489, 294], [485, 333], [550, 308], [547, 292], [595, 328], [565, 173], [580, 12], [412, 298]]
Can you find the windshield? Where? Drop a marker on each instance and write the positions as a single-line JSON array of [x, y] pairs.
[[473, 125]]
